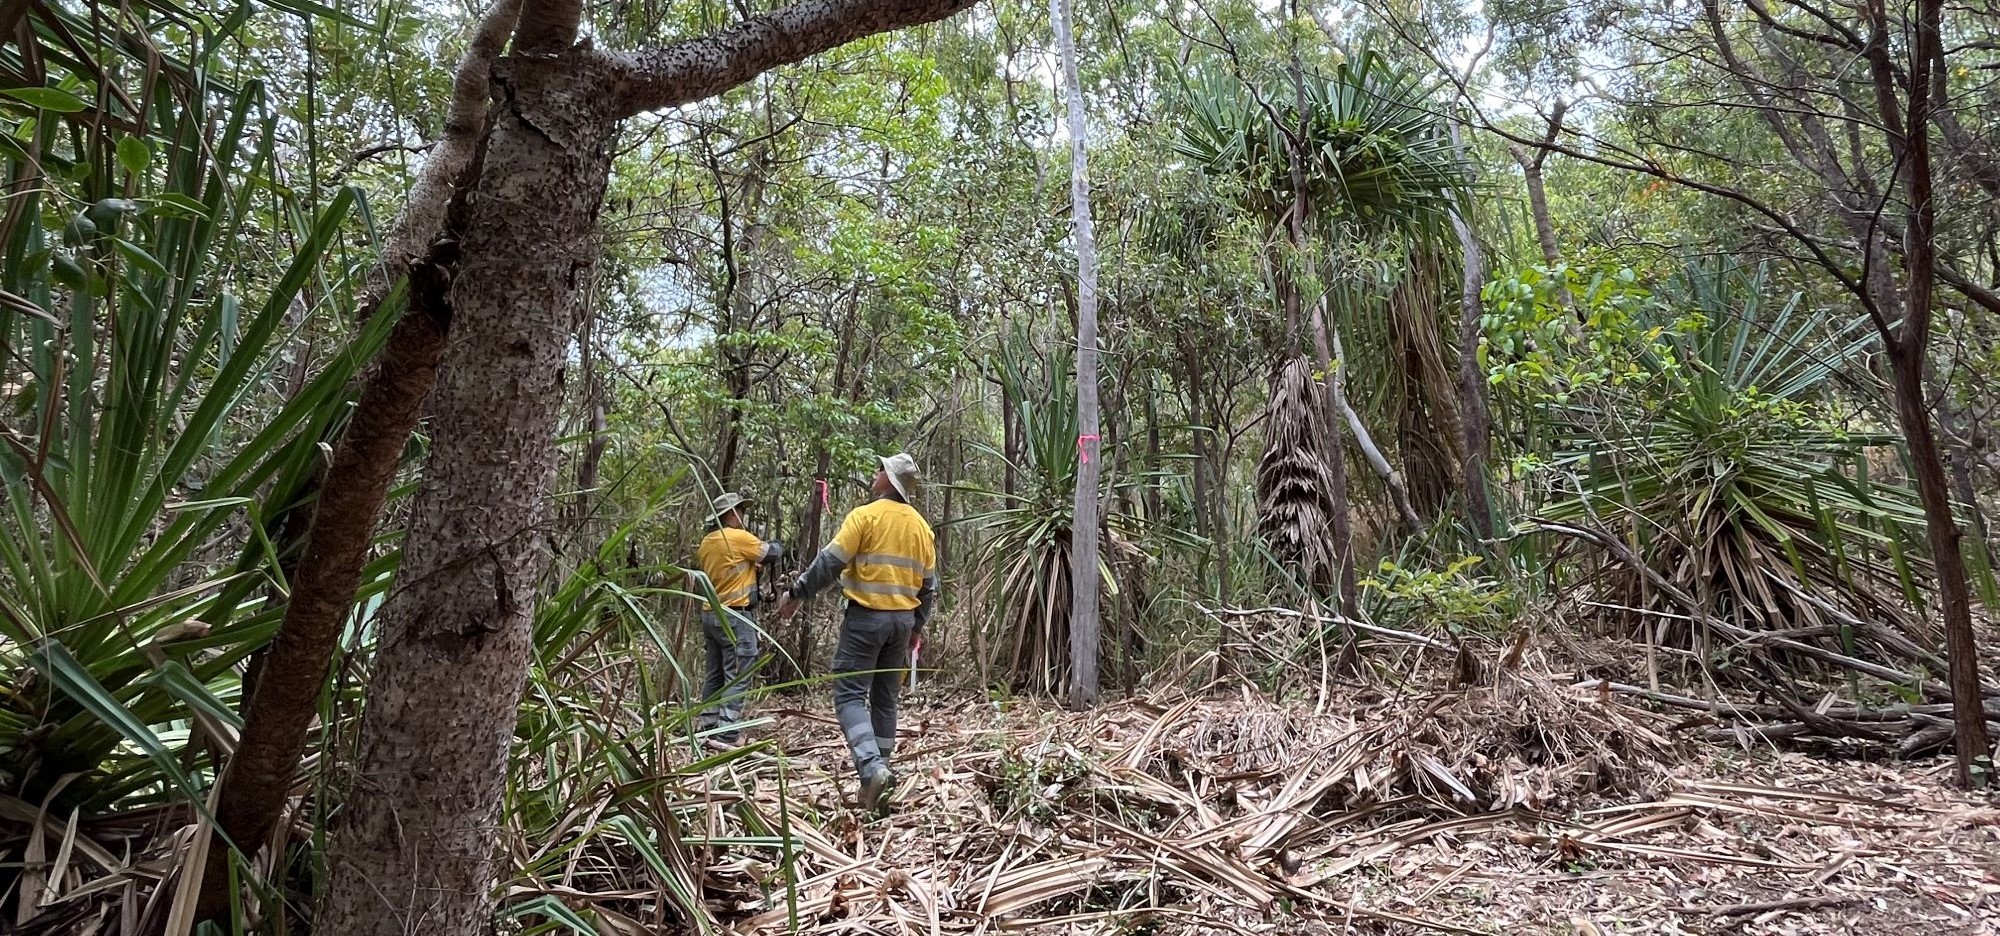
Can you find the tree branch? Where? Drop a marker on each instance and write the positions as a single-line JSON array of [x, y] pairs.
[[700, 68], [424, 212]]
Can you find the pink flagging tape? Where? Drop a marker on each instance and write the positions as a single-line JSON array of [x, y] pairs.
[[1082, 450]]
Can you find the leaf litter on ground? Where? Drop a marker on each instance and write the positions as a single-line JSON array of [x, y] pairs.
[[1530, 806]]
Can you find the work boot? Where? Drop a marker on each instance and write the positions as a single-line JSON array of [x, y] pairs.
[[875, 791]]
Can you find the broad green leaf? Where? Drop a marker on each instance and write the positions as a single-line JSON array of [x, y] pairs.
[[135, 155], [48, 99]]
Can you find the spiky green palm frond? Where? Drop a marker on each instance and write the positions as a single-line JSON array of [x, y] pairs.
[[1377, 152], [1729, 466]]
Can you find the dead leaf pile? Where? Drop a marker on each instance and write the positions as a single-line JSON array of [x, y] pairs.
[[1508, 810]]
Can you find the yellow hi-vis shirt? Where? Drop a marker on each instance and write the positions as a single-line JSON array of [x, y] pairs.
[[729, 556], [889, 551]]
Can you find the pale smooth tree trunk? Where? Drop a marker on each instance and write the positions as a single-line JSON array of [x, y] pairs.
[[416, 843], [1083, 610]]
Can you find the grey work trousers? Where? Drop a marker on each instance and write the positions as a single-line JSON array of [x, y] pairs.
[[868, 664], [732, 651]]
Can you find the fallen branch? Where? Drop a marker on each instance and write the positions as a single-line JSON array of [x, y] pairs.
[[1743, 636], [1796, 903]]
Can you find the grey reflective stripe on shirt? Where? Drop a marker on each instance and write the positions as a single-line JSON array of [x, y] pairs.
[[888, 559], [835, 550], [876, 588]]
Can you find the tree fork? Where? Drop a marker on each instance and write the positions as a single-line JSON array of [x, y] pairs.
[[414, 846]]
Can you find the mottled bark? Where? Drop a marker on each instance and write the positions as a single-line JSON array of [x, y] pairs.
[[284, 700], [423, 214], [702, 68], [415, 846], [286, 678]]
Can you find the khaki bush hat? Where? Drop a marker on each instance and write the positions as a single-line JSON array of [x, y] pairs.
[[724, 503], [902, 472]]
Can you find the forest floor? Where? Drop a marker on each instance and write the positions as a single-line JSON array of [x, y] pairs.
[[1529, 807]]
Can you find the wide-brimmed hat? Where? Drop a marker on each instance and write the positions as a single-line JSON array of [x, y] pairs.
[[724, 503], [902, 472]]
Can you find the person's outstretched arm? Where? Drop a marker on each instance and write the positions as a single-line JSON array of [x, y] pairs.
[[826, 567]]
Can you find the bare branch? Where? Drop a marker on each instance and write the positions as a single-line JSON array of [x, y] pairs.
[[700, 68]]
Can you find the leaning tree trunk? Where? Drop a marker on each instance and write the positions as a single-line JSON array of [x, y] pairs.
[[417, 839], [1908, 348], [280, 700]]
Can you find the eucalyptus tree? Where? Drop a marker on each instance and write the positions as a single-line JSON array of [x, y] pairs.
[[1083, 621]]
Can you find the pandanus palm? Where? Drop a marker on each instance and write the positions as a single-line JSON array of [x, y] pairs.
[[1351, 156]]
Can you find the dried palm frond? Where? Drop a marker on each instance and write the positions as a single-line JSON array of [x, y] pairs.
[[1295, 480], [1426, 412]]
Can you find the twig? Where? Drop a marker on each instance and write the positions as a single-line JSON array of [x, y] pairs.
[[1336, 619], [1796, 903]]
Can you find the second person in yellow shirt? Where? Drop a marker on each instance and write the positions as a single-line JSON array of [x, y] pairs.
[[729, 556]]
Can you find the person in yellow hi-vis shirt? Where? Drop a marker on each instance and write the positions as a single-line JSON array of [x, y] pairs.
[[885, 559], [729, 556]]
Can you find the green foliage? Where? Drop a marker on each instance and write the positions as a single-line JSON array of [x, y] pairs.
[[1454, 598], [1024, 557], [154, 437], [1701, 424], [1374, 148]]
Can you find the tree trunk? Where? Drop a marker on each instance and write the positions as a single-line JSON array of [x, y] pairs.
[[1010, 442], [1538, 205], [1151, 498], [1336, 458], [415, 845], [280, 695], [1474, 422], [1083, 618], [1399, 493], [1336, 448], [737, 311], [594, 403], [284, 700], [1907, 354], [1538, 195]]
